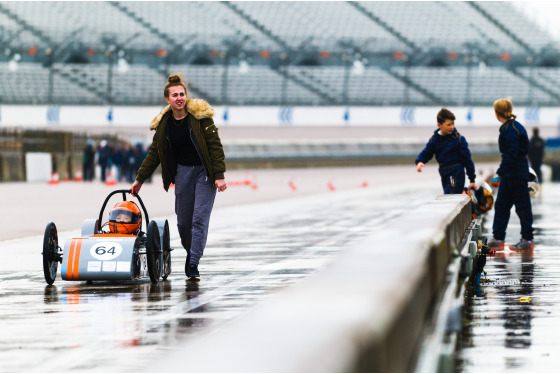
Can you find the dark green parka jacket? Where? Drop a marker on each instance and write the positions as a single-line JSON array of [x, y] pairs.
[[204, 134]]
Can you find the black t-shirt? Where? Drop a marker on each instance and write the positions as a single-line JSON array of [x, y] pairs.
[[181, 144]]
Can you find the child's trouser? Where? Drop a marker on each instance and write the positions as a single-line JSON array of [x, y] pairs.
[[452, 180], [513, 191]]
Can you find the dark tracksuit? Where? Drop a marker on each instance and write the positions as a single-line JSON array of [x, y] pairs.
[[453, 155], [536, 155], [514, 173]]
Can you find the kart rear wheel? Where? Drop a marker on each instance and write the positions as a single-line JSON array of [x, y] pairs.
[[50, 253], [153, 252], [166, 248]]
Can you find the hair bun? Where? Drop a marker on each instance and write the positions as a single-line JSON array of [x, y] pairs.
[[175, 78]]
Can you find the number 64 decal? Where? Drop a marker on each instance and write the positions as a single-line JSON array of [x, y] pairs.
[[105, 251]]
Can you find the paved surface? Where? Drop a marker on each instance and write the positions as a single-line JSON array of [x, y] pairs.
[[513, 318], [261, 240], [28, 207], [292, 225]]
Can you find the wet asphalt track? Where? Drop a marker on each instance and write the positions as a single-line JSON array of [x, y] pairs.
[[253, 251], [512, 321], [256, 248]]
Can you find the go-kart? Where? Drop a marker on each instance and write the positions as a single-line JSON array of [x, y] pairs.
[[102, 255]]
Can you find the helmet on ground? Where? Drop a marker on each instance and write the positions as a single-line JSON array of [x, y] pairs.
[[533, 183], [482, 198], [125, 218], [485, 198]]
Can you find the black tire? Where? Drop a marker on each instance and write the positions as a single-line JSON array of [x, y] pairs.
[[50, 253], [166, 247], [153, 252]]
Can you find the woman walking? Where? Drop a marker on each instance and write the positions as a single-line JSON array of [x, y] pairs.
[[187, 145]]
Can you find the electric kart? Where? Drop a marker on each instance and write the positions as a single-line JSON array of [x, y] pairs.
[[108, 252]]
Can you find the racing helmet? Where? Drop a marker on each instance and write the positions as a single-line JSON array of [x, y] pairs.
[[482, 198], [533, 183], [125, 218]]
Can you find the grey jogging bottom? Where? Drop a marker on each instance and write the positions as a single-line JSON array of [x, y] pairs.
[[194, 199]]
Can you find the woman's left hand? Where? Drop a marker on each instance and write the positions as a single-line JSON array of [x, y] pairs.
[[221, 185]]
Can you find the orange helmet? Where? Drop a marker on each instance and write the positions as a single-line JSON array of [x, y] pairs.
[[125, 218]]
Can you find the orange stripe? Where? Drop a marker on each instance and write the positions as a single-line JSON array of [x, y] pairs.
[[114, 235], [77, 258], [70, 258]]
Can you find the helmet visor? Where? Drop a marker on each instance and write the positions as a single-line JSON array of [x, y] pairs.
[[123, 216]]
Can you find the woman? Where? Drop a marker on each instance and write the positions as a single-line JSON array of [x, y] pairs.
[[187, 145], [511, 180]]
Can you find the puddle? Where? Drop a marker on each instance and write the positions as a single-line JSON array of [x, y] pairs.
[[511, 321]]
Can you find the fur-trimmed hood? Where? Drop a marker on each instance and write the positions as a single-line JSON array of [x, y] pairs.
[[199, 108]]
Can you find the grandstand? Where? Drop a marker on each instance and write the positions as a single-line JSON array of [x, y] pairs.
[[382, 53]]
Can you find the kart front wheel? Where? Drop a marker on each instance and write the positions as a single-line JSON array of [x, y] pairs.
[[50, 253], [153, 252]]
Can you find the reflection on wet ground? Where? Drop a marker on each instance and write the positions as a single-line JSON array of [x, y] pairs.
[[74, 326], [512, 320]]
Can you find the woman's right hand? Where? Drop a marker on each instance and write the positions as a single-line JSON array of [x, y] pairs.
[[135, 188]]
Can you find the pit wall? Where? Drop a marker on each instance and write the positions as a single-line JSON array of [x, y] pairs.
[[129, 116], [366, 312]]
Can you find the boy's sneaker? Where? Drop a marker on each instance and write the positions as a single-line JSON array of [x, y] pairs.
[[495, 244], [192, 271], [524, 245]]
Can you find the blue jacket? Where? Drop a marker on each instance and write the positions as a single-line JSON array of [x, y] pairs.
[[514, 145], [450, 151]]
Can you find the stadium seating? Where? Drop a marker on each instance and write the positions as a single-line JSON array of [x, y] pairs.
[[258, 85], [453, 86], [30, 84], [274, 52]]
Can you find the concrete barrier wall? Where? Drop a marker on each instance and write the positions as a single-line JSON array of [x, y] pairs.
[[365, 312]]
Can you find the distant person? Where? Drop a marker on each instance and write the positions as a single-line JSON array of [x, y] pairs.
[[103, 156], [129, 160], [187, 146], [452, 153], [536, 153], [511, 179], [88, 161], [139, 156], [117, 158]]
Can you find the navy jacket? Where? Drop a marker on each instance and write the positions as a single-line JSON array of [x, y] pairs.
[[450, 151], [514, 145]]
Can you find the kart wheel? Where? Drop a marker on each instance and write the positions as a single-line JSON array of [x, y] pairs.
[[153, 252], [166, 247], [50, 253]]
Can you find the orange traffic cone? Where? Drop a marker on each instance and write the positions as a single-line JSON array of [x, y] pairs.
[[54, 178], [110, 179], [292, 185], [78, 176]]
